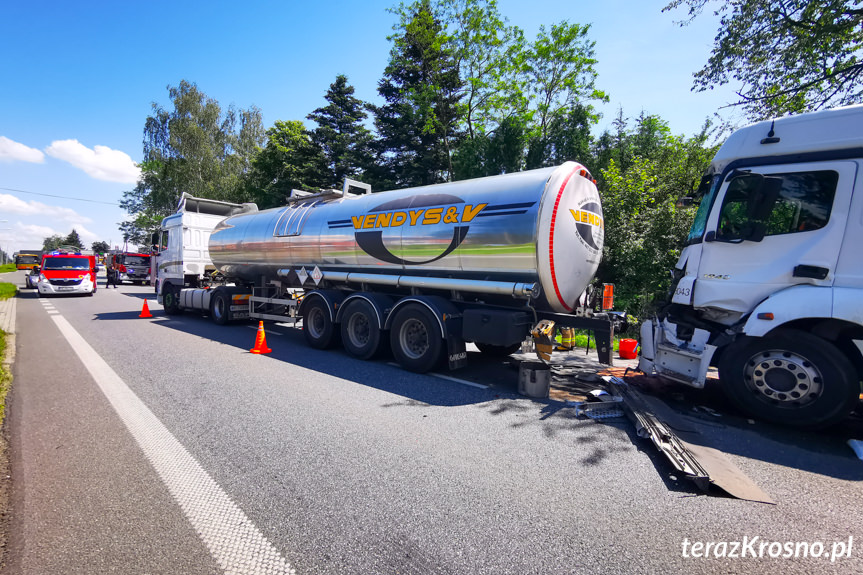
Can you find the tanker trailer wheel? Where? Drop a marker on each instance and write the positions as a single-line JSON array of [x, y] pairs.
[[361, 336], [318, 328], [497, 350], [220, 308], [171, 299], [792, 378], [415, 339]]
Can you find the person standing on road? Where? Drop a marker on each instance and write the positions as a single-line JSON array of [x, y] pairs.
[[112, 274]]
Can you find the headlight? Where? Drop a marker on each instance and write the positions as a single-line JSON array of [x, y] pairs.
[[42, 278]]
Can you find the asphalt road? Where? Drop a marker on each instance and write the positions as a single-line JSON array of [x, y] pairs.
[[162, 445]]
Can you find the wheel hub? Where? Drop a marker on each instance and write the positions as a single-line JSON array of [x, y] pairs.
[[316, 323], [414, 338], [359, 330], [783, 378]]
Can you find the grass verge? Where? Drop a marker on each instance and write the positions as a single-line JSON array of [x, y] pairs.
[[7, 290], [5, 376], [7, 268]]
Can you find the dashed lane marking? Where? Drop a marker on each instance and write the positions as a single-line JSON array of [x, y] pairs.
[[236, 544]]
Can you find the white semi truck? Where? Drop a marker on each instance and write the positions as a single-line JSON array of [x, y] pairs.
[[420, 271], [769, 287]]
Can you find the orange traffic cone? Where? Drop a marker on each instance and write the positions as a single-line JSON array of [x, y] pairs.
[[145, 311], [261, 341]]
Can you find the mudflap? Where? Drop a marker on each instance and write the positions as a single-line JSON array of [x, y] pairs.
[[456, 352]]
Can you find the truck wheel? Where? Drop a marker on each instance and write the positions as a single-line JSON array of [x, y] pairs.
[[220, 308], [171, 300], [415, 339], [497, 350], [318, 328], [791, 378], [361, 336]]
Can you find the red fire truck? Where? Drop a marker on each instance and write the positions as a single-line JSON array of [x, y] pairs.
[[128, 266]]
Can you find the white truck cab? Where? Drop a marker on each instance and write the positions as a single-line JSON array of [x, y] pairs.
[[182, 257], [769, 287]]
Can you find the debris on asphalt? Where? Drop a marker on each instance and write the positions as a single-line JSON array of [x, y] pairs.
[[598, 410]]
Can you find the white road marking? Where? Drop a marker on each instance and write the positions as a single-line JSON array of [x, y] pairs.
[[234, 541], [461, 381], [448, 378]]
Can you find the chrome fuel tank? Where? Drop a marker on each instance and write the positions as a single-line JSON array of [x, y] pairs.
[[540, 227]]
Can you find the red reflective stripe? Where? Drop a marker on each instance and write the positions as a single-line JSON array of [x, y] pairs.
[[551, 241]]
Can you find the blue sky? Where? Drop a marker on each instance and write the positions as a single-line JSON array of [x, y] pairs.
[[79, 79]]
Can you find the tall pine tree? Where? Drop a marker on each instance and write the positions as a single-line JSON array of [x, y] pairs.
[[341, 135], [418, 124]]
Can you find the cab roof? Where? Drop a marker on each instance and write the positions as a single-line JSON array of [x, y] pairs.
[[824, 131]]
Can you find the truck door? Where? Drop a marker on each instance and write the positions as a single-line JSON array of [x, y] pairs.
[[772, 227]]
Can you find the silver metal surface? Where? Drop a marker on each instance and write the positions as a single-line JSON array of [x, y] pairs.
[[502, 235]]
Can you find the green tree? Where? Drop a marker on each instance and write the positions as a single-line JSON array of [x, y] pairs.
[[51, 243], [788, 56], [646, 220], [194, 148], [418, 123], [341, 135], [290, 160], [500, 152], [489, 55], [73, 240], [568, 137], [560, 74], [100, 247]]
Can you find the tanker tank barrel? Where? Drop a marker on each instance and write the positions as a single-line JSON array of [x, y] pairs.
[[533, 235]]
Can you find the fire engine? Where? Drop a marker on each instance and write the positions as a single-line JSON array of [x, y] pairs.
[[128, 266]]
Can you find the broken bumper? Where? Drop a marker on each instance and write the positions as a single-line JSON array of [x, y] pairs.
[[664, 354]]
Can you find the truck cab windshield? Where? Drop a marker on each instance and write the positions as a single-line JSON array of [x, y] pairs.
[[706, 193], [137, 261]]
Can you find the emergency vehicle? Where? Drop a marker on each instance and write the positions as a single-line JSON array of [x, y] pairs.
[[66, 272], [128, 266]]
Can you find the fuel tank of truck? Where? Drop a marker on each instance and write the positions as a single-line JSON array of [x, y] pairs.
[[543, 226]]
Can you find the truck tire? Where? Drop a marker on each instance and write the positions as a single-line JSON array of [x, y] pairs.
[[415, 339], [361, 336], [171, 299], [220, 308], [791, 378], [318, 328], [497, 350]]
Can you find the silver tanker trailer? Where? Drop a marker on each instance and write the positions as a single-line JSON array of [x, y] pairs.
[[421, 270]]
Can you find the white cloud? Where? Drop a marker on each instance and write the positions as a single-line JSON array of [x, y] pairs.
[[10, 204], [11, 151], [101, 163], [30, 236]]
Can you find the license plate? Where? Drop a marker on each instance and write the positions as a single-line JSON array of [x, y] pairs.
[[65, 288]]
